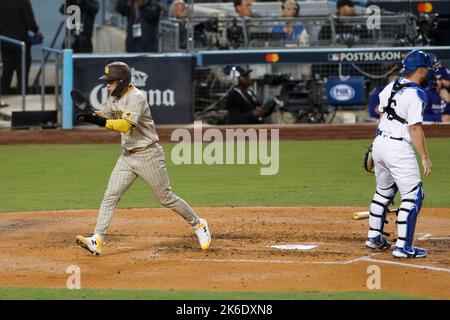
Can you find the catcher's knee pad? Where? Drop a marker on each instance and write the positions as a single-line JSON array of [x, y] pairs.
[[379, 208], [407, 215]]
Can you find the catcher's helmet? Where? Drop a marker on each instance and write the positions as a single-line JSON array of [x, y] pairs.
[[117, 71], [417, 59]]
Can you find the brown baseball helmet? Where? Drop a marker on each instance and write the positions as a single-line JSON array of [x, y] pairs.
[[117, 71]]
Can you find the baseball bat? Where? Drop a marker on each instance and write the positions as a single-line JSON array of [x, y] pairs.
[[365, 214]]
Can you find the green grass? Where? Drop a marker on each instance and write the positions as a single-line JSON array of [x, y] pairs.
[[322, 173], [10, 293]]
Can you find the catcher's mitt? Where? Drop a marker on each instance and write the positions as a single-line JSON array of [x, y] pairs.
[[368, 161]]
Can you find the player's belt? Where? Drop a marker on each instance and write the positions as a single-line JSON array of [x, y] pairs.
[[138, 149], [380, 133]]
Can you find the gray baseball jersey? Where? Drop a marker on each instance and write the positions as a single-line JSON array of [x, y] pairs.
[[133, 107], [147, 163]]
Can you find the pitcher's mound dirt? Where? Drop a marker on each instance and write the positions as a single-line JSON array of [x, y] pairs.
[[155, 249]]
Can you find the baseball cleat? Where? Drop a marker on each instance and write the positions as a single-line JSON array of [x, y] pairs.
[[93, 243], [409, 252], [378, 242], [203, 234]]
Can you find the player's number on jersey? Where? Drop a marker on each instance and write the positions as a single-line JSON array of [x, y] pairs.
[[393, 104]]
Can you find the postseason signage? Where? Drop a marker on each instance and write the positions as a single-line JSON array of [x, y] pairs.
[[314, 56], [166, 81], [373, 56]]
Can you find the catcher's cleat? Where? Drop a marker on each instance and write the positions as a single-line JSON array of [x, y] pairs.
[[93, 243], [409, 252], [378, 242], [203, 234]]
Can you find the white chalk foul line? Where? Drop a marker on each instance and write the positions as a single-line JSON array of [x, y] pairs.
[[417, 266]]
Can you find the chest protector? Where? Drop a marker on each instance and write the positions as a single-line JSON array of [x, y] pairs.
[[392, 115]]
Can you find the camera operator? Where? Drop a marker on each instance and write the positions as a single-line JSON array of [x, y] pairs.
[[242, 103]]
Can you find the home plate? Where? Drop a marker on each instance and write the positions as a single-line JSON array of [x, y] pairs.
[[294, 246]]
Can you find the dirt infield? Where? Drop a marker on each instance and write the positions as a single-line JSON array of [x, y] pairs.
[[155, 249], [287, 132]]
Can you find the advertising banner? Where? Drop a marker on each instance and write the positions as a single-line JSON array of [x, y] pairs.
[[166, 80]]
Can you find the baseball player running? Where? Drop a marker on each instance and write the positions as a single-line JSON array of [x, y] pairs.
[[400, 131], [127, 111]]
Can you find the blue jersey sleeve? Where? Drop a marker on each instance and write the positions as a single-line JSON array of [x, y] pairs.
[[422, 95]]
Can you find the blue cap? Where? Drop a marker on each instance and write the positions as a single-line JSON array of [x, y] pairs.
[[442, 73], [417, 59]]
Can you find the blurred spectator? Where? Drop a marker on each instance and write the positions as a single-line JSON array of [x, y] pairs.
[[242, 103], [179, 10], [345, 32], [249, 29], [438, 106], [81, 39], [142, 29], [16, 19], [345, 8], [296, 34], [3, 104], [348, 33], [166, 8], [243, 8], [374, 99]]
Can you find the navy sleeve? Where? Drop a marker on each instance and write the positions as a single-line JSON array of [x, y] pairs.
[[432, 117], [374, 101], [427, 109], [123, 7], [428, 114], [91, 7], [447, 109], [236, 107], [28, 17], [151, 12]]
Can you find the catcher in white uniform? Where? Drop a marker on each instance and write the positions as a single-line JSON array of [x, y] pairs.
[[396, 169], [127, 111]]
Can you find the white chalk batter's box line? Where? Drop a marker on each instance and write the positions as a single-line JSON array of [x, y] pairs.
[[361, 259], [428, 237]]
